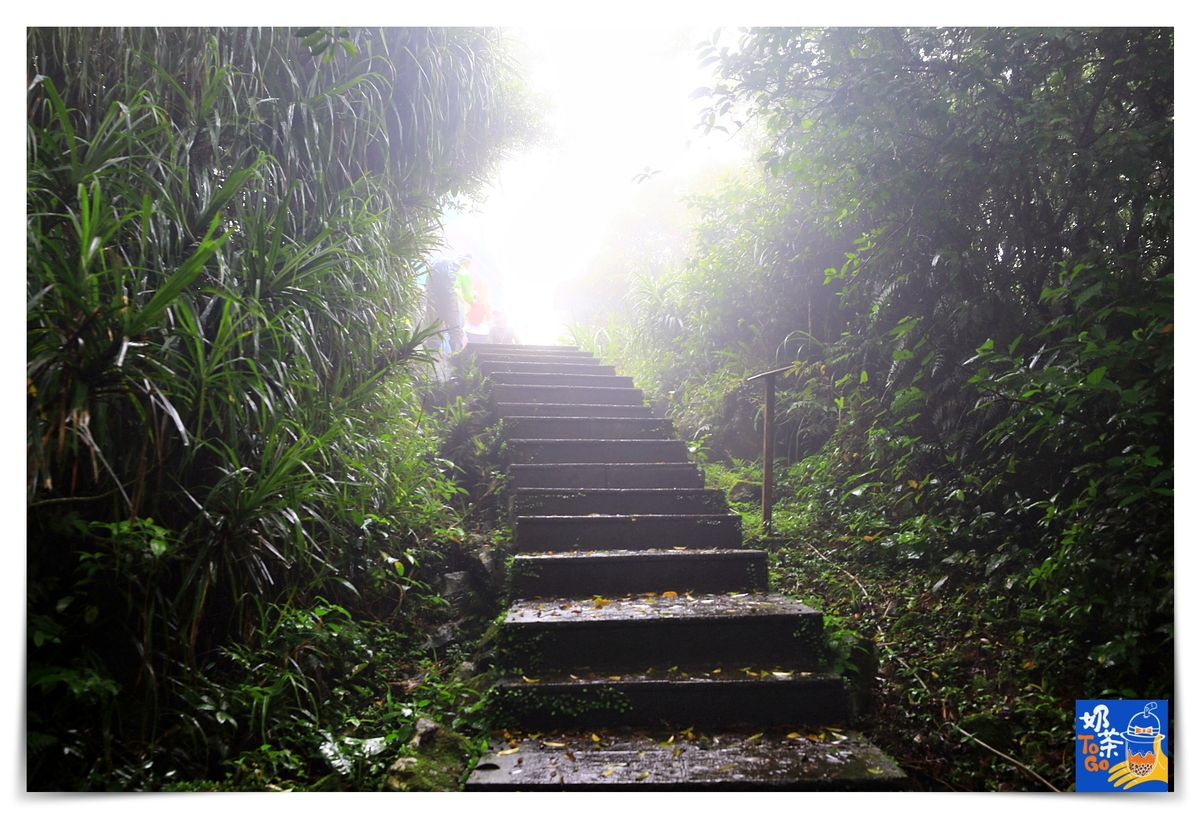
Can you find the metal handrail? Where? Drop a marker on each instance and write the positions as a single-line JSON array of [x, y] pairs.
[[768, 489]]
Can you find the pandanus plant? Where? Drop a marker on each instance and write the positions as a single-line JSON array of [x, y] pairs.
[[222, 232]]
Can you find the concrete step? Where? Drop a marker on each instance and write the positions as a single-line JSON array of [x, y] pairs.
[[623, 573], [753, 759], [582, 410], [606, 475], [589, 366], [596, 451], [697, 699], [524, 349], [633, 532], [560, 379], [498, 354], [524, 393], [584, 428], [543, 502], [634, 633]]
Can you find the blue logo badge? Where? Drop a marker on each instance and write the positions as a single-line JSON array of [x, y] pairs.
[[1121, 745]]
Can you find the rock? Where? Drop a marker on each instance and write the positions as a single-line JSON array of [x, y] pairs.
[[426, 730], [440, 636], [401, 772], [744, 491]]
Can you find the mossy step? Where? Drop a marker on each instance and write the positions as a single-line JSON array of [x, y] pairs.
[[577, 366], [523, 349], [574, 410], [585, 428], [533, 393], [774, 759], [620, 573], [596, 532], [633, 633], [714, 698], [605, 475], [560, 379], [540, 501], [567, 450]]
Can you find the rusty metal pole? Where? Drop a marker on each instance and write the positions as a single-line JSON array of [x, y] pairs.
[[768, 452], [768, 488]]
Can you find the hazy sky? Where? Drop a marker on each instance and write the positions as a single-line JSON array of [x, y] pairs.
[[619, 101]]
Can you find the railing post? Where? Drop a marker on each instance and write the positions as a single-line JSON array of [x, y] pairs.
[[768, 452], [768, 488]]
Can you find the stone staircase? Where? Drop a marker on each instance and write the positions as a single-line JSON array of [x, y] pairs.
[[644, 650]]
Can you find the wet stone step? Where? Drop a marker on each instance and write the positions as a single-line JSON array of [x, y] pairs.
[[776, 758], [605, 475], [621, 573], [526, 393], [594, 532], [582, 410], [588, 428], [596, 451], [638, 632], [526, 502], [561, 379], [582, 367], [511, 353], [712, 697]]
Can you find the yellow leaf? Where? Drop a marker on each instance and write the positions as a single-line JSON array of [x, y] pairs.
[[868, 537], [875, 770], [508, 752], [913, 483], [793, 735], [717, 670], [669, 594], [614, 678], [531, 681], [552, 744], [676, 752], [781, 674], [753, 737], [679, 547], [595, 738], [609, 771], [728, 767], [644, 776]]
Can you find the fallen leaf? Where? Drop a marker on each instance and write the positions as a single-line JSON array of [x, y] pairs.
[[508, 752], [643, 776], [728, 767], [614, 678], [552, 744], [569, 756], [717, 670], [679, 547], [793, 735], [609, 771], [595, 738], [753, 737], [669, 594], [779, 674], [677, 751], [875, 770], [531, 681]]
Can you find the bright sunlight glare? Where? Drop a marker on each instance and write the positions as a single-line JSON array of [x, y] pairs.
[[619, 103]]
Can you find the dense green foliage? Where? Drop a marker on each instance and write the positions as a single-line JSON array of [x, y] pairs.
[[231, 473], [962, 239]]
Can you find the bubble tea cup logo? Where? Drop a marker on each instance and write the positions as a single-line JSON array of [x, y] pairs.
[[1108, 759]]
